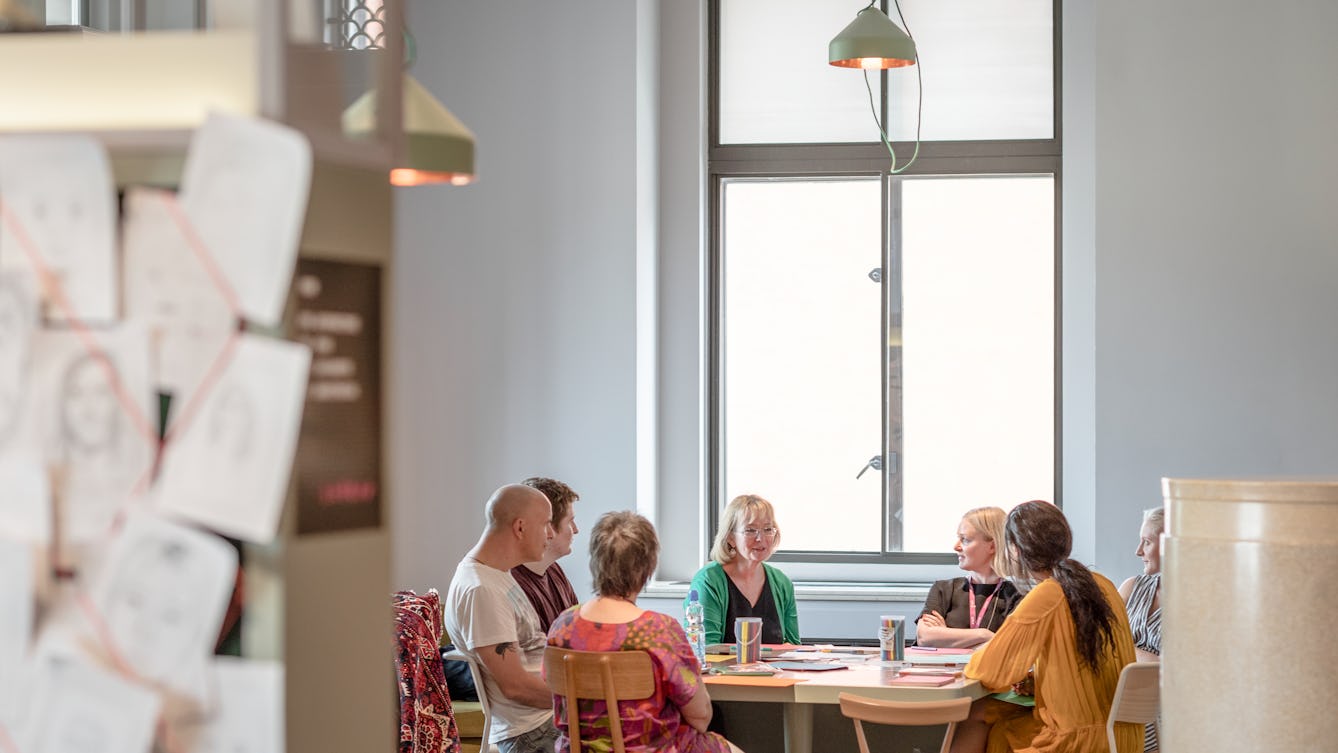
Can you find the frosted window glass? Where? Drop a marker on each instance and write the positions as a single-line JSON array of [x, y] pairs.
[[801, 395], [978, 411], [987, 67], [775, 83]]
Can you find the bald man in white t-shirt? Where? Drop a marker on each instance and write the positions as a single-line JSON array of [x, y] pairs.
[[491, 620]]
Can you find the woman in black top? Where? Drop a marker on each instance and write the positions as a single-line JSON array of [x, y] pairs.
[[965, 612]]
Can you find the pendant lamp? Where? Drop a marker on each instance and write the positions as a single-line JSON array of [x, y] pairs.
[[871, 41], [438, 148]]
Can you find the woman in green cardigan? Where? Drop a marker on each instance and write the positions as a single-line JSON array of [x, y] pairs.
[[739, 583]]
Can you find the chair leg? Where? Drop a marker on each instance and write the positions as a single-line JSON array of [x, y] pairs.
[[859, 736], [947, 737]]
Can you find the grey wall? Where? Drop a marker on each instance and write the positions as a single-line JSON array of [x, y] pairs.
[[514, 298], [1199, 264], [1217, 264]]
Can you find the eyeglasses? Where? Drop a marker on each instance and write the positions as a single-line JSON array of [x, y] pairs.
[[758, 533]]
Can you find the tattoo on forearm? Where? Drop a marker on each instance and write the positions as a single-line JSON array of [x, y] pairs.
[[502, 648]]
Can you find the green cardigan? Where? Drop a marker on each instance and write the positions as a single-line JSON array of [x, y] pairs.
[[712, 586]]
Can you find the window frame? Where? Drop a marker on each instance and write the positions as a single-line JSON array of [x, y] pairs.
[[866, 159]]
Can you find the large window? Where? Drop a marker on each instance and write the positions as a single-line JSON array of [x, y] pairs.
[[883, 347]]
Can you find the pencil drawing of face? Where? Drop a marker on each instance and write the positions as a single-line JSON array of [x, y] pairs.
[[16, 323], [61, 195], [232, 422], [90, 417], [151, 612], [80, 707], [58, 199], [58, 215]]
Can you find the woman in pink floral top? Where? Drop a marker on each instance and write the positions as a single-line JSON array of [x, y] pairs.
[[623, 554]]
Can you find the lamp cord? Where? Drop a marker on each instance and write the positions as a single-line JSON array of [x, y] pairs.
[[919, 104], [411, 48]]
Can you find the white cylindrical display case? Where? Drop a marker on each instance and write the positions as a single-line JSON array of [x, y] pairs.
[[1248, 597]]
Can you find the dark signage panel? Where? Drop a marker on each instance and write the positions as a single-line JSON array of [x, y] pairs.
[[338, 465]]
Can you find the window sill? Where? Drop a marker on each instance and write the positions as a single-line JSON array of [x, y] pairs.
[[860, 592]]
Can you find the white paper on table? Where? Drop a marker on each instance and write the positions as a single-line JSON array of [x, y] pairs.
[[79, 707], [228, 468], [246, 714], [815, 656], [245, 188], [161, 595], [59, 190], [172, 293], [17, 598], [100, 437]]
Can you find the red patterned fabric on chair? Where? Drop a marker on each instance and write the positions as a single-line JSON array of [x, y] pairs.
[[427, 722]]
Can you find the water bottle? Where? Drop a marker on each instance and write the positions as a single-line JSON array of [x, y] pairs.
[[694, 626]]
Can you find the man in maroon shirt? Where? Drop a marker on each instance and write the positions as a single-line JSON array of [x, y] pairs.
[[544, 582]]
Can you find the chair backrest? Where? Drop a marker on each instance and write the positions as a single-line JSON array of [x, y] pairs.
[[904, 714], [1137, 698], [427, 715], [608, 676], [477, 674]]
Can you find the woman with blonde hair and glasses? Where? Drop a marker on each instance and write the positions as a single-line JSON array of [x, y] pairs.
[[739, 582], [965, 612]]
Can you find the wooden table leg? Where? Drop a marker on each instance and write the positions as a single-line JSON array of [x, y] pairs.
[[798, 728]]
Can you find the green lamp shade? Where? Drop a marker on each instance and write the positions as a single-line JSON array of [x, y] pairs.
[[438, 148], [871, 41]]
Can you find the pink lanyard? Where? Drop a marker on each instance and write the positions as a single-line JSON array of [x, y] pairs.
[[977, 617]]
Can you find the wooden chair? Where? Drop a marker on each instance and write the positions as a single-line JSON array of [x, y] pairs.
[[1137, 699], [608, 676], [904, 714]]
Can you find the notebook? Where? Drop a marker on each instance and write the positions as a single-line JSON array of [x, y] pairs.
[[932, 681], [806, 666]]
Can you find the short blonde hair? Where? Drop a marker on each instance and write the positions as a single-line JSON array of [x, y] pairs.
[[989, 521], [624, 552], [736, 512], [1157, 517]]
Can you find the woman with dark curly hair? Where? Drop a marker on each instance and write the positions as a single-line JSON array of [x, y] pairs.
[[1072, 628]]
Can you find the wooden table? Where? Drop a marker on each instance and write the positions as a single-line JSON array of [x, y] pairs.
[[799, 691]]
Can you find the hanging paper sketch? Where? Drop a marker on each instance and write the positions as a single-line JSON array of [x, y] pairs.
[[246, 714], [229, 468], [92, 416], [18, 319], [245, 189], [79, 707], [161, 594], [25, 510], [25, 502], [59, 222], [16, 622], [173, 290]]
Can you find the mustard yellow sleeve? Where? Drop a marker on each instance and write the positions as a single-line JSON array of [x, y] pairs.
[[1016, 644]]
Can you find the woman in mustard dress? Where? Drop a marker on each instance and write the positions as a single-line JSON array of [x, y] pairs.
[[1072, 629]]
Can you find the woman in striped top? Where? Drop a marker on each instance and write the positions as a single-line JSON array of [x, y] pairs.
[[1142, 600]]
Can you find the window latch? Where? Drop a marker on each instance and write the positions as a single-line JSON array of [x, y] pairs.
[[876, 274], [875, 462]]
